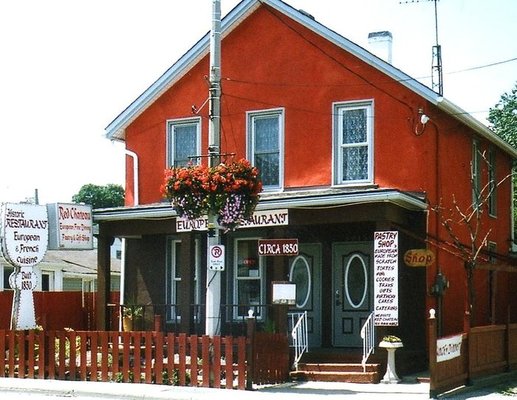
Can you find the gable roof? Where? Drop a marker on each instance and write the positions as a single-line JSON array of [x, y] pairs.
[[116, 129]]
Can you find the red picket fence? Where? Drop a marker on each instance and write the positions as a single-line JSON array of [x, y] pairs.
[[146, 357], [270, 358]]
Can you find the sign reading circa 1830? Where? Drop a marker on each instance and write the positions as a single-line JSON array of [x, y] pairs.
[[278, 247], [386, 256]]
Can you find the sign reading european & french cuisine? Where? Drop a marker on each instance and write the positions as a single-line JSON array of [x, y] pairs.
[[25, 239]]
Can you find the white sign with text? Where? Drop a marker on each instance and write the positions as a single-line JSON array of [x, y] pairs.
[[70, 226], [259, 219], [386, 293], [24, 244], [448, 348], [25, 233]]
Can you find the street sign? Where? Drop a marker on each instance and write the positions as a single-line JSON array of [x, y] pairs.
[[216, 257]]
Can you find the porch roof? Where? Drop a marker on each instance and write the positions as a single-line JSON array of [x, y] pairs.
[[288, 199]]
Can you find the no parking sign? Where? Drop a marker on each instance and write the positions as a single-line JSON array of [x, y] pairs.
[[216, 257]]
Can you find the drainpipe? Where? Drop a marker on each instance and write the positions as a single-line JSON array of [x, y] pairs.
[[136, 201], [134, 156], [122, 279]]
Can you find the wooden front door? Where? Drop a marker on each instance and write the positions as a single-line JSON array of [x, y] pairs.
[[352, 291]]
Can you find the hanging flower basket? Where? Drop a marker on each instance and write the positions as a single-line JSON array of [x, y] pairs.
[[228, 191]]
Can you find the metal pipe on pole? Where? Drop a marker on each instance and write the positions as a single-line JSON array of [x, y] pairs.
[[213, 281]]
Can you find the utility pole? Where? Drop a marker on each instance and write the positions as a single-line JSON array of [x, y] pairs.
[[437, 71], [436, 68], [213, 281]]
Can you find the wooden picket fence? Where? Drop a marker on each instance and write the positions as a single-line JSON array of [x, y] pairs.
[[145, 357], [485, 351]]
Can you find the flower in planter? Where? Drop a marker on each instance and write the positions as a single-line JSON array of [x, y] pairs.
[[391, 339], [228, 190]]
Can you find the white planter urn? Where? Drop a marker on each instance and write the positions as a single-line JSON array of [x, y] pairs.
[[391, 374]]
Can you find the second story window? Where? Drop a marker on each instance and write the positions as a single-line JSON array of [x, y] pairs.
[[265, 138], [353, 150], [476, 174], [492, 183], [183, 141]]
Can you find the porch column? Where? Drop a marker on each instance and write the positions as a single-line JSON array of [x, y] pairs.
[[186, 286], [103, 282]]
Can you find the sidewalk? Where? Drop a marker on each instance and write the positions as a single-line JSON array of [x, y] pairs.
[[407, 389]]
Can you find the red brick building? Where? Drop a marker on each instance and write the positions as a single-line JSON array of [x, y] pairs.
[[344, 153]]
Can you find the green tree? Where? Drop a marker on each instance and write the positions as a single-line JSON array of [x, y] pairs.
[[503, 121], [97, 196], [503, 117]]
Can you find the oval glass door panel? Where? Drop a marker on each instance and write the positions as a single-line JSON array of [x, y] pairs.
[[356, 281], [301, 275]]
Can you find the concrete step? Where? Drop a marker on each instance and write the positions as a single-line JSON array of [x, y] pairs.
[[337, 367], [336, 372]]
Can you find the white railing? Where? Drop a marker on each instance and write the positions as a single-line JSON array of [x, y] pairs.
[[299, 335], [368, 336]]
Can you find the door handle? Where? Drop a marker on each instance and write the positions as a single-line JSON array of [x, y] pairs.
[[338, 298]]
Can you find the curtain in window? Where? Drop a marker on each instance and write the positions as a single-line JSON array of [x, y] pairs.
[[267, 152], [354, 142], [185, 143]]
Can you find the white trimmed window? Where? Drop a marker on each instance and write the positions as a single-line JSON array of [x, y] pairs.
[[353, 139], [183, 141], [492, 182], [248, 275], [476, 174], [265, 146]]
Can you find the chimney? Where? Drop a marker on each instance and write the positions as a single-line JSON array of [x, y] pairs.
[[381, 44]]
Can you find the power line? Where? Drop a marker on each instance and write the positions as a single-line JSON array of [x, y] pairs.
[[483, 66]]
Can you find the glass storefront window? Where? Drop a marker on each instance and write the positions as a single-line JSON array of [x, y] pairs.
[[248, 282]]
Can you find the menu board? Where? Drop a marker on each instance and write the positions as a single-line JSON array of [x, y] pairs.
[[386, 259]]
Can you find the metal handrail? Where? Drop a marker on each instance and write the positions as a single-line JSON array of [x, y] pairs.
[[299, 335], [368, 336]]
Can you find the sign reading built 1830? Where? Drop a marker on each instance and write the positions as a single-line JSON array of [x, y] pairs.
[[25, 238]]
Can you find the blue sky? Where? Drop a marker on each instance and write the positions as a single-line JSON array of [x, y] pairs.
[[69, 67]]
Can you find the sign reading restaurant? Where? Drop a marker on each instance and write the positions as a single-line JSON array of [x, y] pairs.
[[259, 219], [25, 234], [24, 230]]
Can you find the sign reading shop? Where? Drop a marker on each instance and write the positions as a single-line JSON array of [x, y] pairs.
[[259, 219], [25, 233]]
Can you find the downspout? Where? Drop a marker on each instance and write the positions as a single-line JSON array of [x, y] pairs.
[[136, 200], [134, 156]]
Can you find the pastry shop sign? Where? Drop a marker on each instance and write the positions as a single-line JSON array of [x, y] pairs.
[[25, 233]]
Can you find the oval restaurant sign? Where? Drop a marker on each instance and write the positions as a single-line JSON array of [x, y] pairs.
[[25, 233], [419, 258]]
